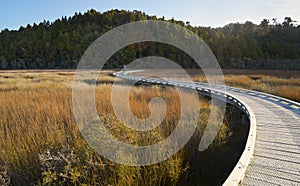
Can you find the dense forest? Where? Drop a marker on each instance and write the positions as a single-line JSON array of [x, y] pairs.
[[60, 44]]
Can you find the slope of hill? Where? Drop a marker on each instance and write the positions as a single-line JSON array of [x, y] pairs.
[[61, 43]]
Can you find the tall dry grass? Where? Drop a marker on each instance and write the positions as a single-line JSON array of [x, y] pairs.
[[41, 144], [287, 87]]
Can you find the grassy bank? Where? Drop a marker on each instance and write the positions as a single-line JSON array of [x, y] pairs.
[[41, 144], [281, 83]]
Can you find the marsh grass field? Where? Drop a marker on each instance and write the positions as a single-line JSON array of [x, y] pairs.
[[282, 83], [285, 84], [40, 142]]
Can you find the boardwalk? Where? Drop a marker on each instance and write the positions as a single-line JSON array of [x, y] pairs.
[[276, 157], [272, 152]]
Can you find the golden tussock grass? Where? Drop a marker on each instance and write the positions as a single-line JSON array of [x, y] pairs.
[[37, 123], [36, 116], [283, 86]]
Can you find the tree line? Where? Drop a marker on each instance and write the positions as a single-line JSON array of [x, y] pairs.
[[60, 44]]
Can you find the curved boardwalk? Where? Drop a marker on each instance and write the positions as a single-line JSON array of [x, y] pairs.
[[272, 152], [276, 157]]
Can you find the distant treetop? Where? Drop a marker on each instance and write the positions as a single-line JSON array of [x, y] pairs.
[[61, 43]]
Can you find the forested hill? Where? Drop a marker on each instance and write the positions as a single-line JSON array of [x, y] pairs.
[[60, 44]]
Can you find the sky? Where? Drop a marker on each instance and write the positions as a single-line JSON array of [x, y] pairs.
[[214, 13]]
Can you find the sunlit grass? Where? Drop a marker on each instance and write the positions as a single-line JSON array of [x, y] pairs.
[[37, 118], [287, 87]]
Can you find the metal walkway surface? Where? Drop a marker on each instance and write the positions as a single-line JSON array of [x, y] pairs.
[[272, 153]]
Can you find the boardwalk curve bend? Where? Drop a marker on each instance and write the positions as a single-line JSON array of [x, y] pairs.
[[272, 152]]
